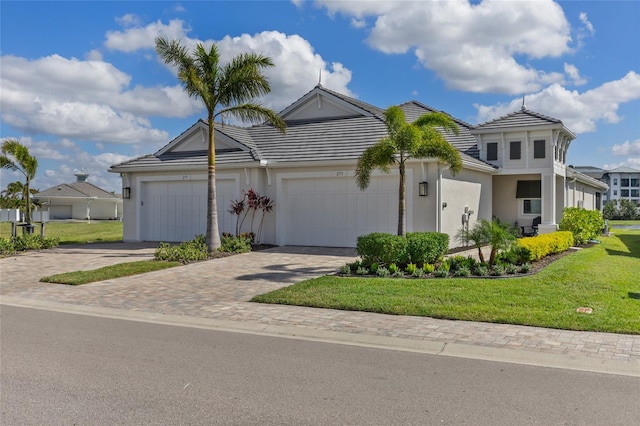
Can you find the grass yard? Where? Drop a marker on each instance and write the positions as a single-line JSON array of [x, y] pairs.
[[75, 232], [605, 277], [109, 272]]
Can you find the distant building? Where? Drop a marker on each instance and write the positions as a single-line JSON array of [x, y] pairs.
[[624, 182], [80, 200]]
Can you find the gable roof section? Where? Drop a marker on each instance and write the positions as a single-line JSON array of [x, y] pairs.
[[343, 106], [76, 190], [519, 120], [594, 172], [623, 169]]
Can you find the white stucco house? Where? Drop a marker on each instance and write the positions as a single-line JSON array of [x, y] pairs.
[[513, 168], [80, 200]]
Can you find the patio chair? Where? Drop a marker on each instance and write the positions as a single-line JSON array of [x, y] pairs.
[[530, 231]]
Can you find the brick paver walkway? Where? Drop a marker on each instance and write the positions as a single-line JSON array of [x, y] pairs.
[[220, 289]]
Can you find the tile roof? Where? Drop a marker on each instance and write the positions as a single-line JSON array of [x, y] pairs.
[[76, 190], [522, 118], [623, 169], [341, 138]]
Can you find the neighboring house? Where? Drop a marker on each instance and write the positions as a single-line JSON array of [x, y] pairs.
[[80, 200], [623, 182], [309, 173]]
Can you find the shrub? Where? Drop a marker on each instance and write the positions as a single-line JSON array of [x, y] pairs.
[[512, 268], [426, 247], [355, 265], [418, 273], [398, 274], [457, 262], [439, 273], [393, 268], [496, 234], [498, 269], [383, 272], [233, 244], [525, 267], [345, 269], [516, 255], [382, 248], [26, 242], [411, 268], [584, 224], [546, 244], [462, 271], [185, 252], [428, 268], [363, 271], [481, 270], [374, 268]]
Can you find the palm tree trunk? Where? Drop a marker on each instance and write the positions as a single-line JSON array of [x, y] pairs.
[[213, 235], [402, 214]]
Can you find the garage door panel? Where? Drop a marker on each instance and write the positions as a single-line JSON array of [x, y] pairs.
[[334, 212], [176, 211]]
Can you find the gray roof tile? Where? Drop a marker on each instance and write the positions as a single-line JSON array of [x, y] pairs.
[[75, 190]]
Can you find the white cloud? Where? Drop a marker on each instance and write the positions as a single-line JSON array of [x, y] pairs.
[[587, 24], [580, 112], [91, 99], [472, 47], [627, 148], [358, 23], [574, 74], [136, 38]]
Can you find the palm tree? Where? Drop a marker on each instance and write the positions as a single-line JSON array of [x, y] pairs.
[[16, 157], [225, 90], [420, 139]]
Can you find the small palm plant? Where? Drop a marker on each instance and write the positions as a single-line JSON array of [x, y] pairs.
[[493, 233]]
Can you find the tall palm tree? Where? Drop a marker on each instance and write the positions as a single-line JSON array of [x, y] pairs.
[[225, 90], [420, 139], [16, 157]]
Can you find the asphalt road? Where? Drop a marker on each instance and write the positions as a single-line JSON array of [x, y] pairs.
[[58, 368]]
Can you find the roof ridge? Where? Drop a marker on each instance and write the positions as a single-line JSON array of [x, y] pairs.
[[457, 120]]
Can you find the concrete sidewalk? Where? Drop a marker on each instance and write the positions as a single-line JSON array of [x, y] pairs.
[[215, 294]]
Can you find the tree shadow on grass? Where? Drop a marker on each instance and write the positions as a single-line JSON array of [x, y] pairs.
[[632, 242]]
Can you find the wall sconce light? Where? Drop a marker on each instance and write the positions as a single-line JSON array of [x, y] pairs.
[[126, 192], [423, 189], [444, 205]]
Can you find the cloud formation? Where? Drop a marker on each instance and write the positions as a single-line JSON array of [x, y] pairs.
[[580, 112], [471, 47]]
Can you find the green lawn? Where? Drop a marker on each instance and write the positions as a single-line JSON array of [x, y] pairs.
[[605, 277], [75, 232], [109, 272]]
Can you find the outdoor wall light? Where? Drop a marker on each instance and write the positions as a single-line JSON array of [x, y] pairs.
[[444, 205], [423, 189], [126, 192]]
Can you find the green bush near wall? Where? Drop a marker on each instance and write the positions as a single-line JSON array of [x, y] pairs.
[[584, 224], [417, 247]]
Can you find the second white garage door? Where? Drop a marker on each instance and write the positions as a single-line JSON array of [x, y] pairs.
[[333, 212], [174, 211]]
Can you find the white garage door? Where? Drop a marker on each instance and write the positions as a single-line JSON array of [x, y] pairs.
[[177, 210], [333, 212], [60, 212]]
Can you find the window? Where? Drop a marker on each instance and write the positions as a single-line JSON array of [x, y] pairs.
[[538, 149], [635, 193], [615, 181], [532, 206], [624, 182], [624, 192], [492, 151], [615, 192], [634, 182], [514, 150]]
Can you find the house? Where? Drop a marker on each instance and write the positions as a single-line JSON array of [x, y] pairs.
[[80, 200], [623, 182], [309, 173]]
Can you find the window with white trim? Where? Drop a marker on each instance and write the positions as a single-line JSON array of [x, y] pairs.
[[530, 192], [539, 149]]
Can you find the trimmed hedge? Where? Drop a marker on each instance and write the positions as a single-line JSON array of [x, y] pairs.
[[417, 247], [546, 244]]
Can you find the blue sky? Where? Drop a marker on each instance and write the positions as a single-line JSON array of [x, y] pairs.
[[81, 85]]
